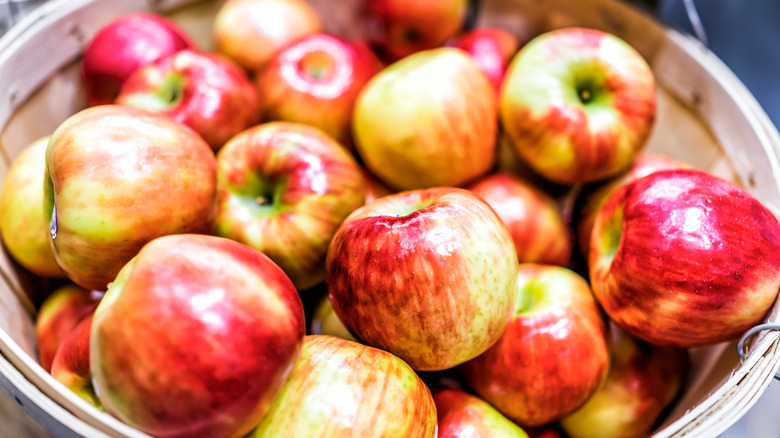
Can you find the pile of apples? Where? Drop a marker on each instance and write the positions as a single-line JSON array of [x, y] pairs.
[[299, 234]]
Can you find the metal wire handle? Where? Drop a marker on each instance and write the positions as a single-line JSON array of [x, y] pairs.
[[748, 334], [695, 19]]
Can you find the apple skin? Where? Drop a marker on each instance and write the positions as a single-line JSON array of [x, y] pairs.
[[552, 356], [121, 47], [684, 258], [284, 188], [250, 32], [316, 80], [195, 337], [578, 105], [340, 388], [533, 217], [457, 141], [324, 321], [374, 188], [398, 28], [428, 275], [71, 363], [461, 414], [99, 163], [59, 313], [23, 226], [643, 380], [207, 92], [594, 196], [492, 49]]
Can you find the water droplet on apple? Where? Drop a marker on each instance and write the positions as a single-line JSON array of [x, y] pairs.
[[53, 222]]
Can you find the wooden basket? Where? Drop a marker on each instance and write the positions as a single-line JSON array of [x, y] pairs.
[[706, 118]]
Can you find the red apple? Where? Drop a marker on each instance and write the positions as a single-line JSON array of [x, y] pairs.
[[122, 46], [492, 49], [283, 189], [594, 197], [643, 380], [399, 28], [324, 321], [195, 337], [23, 225], [250, 32], [315, 80], [71, 363], [428, 120], [428, 275], [533, 217], [117, 177], [374, 188], [461, 414], [685, 258], [578, 104], [340, 388], [207, 92], [59, 313], [552, 356]]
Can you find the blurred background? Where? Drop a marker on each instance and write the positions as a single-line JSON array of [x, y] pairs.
[[744, 35]]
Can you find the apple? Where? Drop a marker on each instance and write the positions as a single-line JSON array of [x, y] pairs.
[[117, 177], [684, 258], [120, 47], [59, 313], [539, 233], [552, 356], [71, 363], [643, 380], [23, 227], [340, 388], [594, 196], [374, 188], [461, 414], [399, 28], [492, 49], [284, 188], [315, 80], [250, 32], [195, 337], [428, 275], [324, 321], [207, 92], [578, 104], [427, 120]]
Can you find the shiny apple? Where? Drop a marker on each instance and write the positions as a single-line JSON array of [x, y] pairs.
[[578, 104], [428, 275], [461, 414], [492, 49], [71, 363], [552, 356], [207, 92], [685, 258], [195, 337]]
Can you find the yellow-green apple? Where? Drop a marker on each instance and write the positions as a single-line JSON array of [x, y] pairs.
[[71, 363], [341, 389], [195, 337], [578, 104], [427, 120], [398, 28], [250, 32], [315, 80], [594, 196], [428, 275], [552, 356], [59, 313], [461, 414], [117, 177], [283, 189], [685, 258], [205, 91], [117, 49], [324, 321], [492, 49], [23, 225], [533, 217], [643, 380]]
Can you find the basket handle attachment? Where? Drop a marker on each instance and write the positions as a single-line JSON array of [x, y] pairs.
[[750, 333]]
